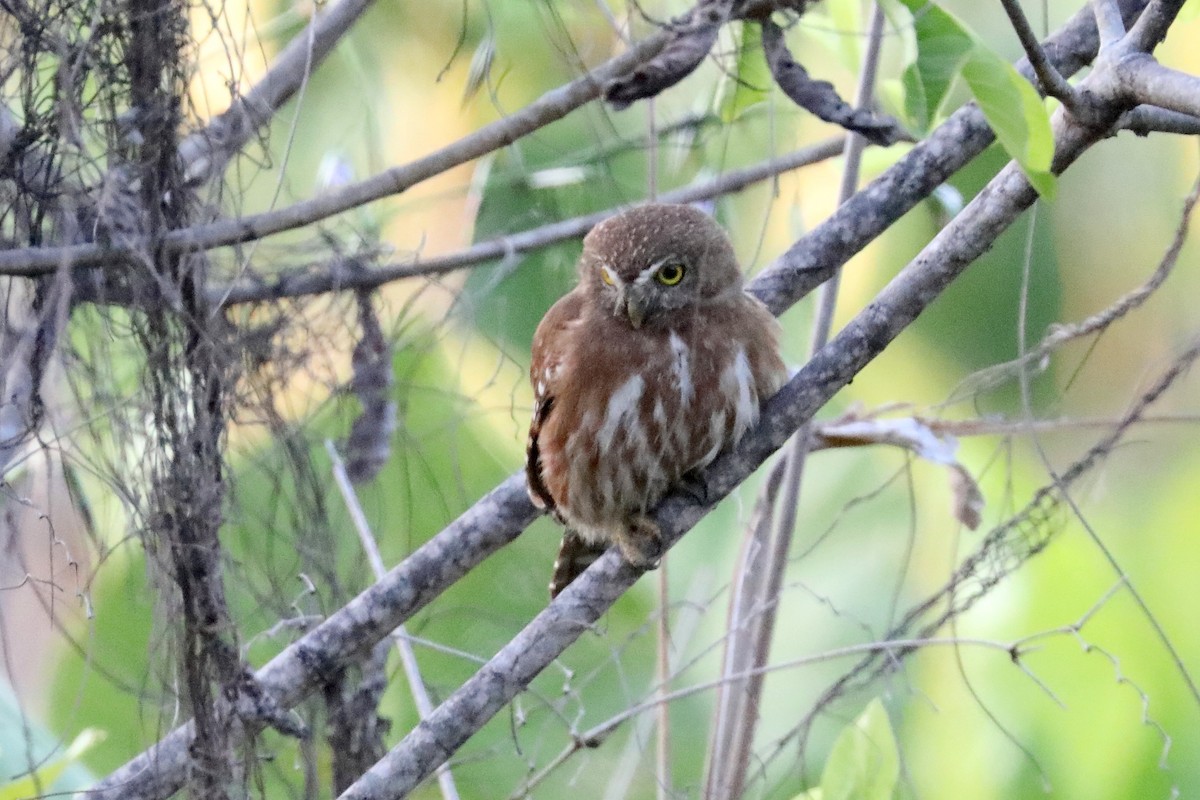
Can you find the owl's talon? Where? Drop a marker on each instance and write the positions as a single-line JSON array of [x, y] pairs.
[[641, 543], [694, 487]]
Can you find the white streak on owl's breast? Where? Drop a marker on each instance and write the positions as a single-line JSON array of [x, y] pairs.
[[681, 367], [622, 409], [737, 380], [715, 440]]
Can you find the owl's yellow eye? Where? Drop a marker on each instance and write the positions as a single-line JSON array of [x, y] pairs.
[[606, 276], [670, 274]]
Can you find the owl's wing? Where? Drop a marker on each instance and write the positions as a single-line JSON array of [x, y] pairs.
[[545, 373]]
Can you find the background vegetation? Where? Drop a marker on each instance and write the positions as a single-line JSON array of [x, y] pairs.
[[1096, 706]]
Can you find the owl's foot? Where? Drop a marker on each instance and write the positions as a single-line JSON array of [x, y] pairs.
[[693, 486], [641, 542]]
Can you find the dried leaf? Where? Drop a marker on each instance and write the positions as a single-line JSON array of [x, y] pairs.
[[968, 499], [693, 36], [820, 98], [918, 437]]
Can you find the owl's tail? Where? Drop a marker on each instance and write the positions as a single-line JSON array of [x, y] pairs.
[[575, 554]]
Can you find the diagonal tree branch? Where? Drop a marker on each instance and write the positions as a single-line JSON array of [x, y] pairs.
[[487, 526], [505, 512], [551, 106], [205, 152], [341, 276], [967, 237]]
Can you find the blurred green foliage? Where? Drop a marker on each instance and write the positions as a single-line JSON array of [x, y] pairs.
[[875, 534]]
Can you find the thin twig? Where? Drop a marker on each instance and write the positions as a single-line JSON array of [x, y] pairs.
[[1005, 548], [596, 735], [1061, 334], [206, 151], [343, 276], [550, 107], [412, 670], [729, 777], [1051, 80], [1064, 492], [662, 764]]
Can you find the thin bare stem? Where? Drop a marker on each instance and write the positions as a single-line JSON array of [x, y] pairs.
[[1051, 80], [206, 151], [412, 670], [596, 735], [729, 776], [1061, 334], [663, 669], [346, 275]]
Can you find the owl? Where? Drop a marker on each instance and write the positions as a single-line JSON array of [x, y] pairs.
[[653, 364]]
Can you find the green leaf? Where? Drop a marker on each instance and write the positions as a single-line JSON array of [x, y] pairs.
[[864, 763], [750, 82], [1016, 113], [945, 48], [943, 44]]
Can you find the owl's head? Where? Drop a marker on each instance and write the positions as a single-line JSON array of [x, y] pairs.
[[658, 259]]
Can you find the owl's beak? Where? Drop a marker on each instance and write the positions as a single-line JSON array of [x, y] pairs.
[[631, 306]]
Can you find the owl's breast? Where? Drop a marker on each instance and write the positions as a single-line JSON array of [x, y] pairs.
[[632, 417]]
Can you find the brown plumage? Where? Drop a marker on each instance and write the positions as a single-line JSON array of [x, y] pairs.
[[652, 365]]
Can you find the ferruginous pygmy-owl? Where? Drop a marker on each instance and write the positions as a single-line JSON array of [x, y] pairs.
[[650, 367]]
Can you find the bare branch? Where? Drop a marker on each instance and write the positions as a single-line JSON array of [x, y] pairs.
[[344, 274], [205, 152], [1108, 20], [349, 633], [963, 136], [1151, 27], [1145, 120], [1052, 82], [1151, 83], [692, 36], [551, 106]]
